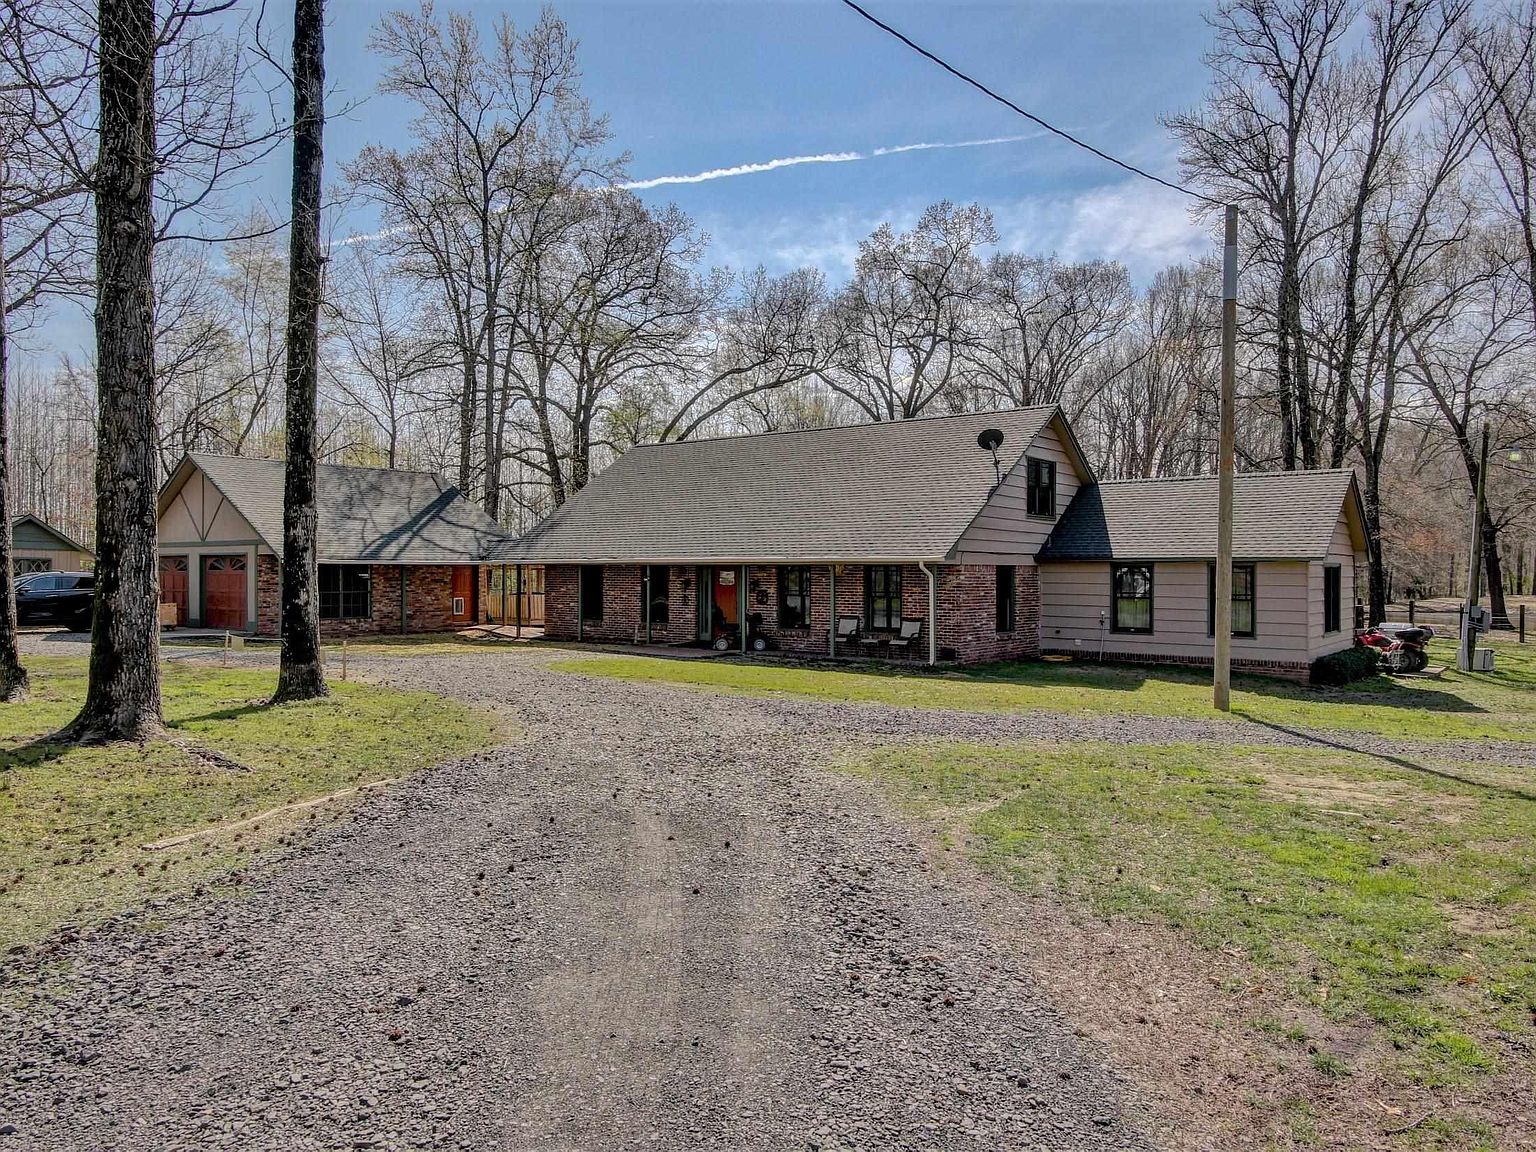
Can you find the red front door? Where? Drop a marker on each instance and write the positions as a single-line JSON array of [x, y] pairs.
[[224, 592], [173, 585], [462, 610]]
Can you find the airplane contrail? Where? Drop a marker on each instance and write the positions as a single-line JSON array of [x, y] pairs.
[[817, 158], [750, 169]]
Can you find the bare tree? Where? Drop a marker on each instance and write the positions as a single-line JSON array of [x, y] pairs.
[[1470, 341], [904, 323], [300, 676], [1412, 52], [1267, 139], [1502, 57], [13, 677], [381, 351], [502, 135], [1043, 324], [123, 691], [1153, 414]]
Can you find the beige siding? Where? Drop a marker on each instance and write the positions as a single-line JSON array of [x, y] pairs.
[[1004, 532], [59, 559], [1073, 595], [199, 514], [1341, 551]]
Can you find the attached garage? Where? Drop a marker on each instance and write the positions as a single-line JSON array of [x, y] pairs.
[[398, 551]]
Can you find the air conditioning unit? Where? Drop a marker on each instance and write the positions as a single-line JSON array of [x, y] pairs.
[[1482, 660]]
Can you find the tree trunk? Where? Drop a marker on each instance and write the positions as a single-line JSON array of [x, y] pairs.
[[1285, 383], [122, 699], [1375, 560], [1493, 572], [467, 420], [13, 677], [300, 676]]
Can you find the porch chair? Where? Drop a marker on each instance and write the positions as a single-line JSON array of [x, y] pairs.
[[847, 629], [907, 636]]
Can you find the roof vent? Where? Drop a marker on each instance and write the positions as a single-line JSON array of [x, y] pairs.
[[988, 441]]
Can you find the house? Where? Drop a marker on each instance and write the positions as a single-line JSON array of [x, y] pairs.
[[964, 538], [37, 546], [398, 551], [1129, 570]]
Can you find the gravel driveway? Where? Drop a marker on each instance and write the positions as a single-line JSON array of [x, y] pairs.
[[655, 921]]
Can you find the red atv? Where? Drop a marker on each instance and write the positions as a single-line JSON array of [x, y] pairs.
[[1402, 648]]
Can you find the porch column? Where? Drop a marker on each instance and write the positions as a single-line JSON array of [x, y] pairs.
[[933, 612], [503, 621], [579, 612], [741, 608], [403, 593], [519, 599], [832, 610], [645, 590]]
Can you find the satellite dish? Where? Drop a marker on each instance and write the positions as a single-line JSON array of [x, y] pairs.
[[990, 439]]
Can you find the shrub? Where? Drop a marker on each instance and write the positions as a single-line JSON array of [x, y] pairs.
[[1346, 667]]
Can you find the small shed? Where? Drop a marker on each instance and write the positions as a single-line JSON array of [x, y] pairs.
[[38, 546]]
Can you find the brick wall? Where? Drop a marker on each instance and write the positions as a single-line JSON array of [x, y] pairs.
[[968, 613], [623, 612], [967, 609], [269, 584], [429, 600]]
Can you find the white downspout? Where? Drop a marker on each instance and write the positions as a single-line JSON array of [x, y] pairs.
[[933, 612]]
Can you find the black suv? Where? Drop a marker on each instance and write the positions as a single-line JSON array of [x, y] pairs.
[[58, 597]]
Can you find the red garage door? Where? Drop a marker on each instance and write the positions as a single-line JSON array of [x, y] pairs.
[[173, 585], [224, 592]]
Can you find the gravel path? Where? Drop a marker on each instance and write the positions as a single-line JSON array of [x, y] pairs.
[[653, 923], [656, 921]]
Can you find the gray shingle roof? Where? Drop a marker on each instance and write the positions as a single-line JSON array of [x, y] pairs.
[[377, 514], [47, 531], [900, 490], [1275, 516]]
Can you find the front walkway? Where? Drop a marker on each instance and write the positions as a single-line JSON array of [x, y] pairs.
[[655, 921]]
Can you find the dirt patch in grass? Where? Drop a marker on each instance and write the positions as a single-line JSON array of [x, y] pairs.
[[1303, 949], [74, 821], [1363, 798]]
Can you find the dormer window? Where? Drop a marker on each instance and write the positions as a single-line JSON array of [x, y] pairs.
[[1040, 479]]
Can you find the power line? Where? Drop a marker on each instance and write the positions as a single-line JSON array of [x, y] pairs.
[[1065, 135]]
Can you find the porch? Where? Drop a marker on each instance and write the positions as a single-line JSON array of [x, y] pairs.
[[916, 612]]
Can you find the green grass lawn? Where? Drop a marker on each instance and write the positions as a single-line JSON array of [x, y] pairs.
[[1497, 706], [1373, 891], [73, 821]]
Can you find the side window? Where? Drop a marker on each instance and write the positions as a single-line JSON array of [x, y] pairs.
[[1244, 599], [1333, 598], [1040, 476], [794, 597], [1130, 597], [591, 592], [1007, 600]]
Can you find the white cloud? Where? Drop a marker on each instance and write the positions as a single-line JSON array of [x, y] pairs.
[[1144, 227], [818, 158]]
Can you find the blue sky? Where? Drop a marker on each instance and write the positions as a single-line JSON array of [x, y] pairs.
[[693, 87]]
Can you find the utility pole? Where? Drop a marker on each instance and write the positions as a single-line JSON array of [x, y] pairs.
[[1475, 564], [1226, 467]]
